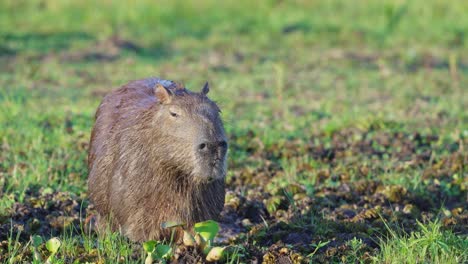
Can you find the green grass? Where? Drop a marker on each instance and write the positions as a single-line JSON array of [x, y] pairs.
[[430, 244], [379, 85]]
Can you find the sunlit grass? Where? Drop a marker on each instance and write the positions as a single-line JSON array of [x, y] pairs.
[[430, 244]]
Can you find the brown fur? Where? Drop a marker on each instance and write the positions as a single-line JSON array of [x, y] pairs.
[[144, 164]]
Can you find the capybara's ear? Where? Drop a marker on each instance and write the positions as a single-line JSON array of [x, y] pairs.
[[205, 89], [179, 86], [162, 94]]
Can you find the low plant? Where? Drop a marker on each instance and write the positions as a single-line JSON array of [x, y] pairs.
[[430, 244], [201, 240], [52, 246]]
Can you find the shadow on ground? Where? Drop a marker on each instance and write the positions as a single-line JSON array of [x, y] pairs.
[[40, 46]]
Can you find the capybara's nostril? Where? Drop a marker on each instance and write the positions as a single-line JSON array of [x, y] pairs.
[[202, 146], [222, 144]]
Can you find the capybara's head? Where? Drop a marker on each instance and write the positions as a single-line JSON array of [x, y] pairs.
[[191, 124]]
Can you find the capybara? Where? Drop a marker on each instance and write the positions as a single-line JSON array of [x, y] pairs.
[[157, 154]]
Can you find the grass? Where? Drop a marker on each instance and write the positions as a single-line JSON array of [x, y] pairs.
[[337, 112], [430, 244]]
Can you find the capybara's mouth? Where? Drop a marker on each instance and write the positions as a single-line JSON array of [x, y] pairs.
[[216, 169], [216, 163]]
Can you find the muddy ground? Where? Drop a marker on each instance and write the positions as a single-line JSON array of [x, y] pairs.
[[287, 221]]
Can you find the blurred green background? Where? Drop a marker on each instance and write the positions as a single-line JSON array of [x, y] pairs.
[[284, 71]]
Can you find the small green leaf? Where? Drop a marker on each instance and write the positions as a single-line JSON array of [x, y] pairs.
[[322, 244], [47, 190], [170, 224], [215, 254], [207, 229], [36, 241], [149, 246], [53, 245], [163, 251]]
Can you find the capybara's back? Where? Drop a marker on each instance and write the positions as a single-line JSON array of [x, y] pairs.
[[157, 154]]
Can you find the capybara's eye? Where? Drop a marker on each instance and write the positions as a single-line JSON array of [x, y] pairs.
[[174, 114]]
